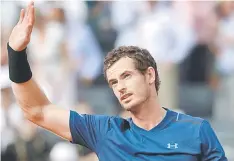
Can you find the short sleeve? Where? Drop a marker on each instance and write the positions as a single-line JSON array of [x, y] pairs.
[[210, 146], [88, 130]]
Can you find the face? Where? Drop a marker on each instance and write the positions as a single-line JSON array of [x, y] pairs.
[[227, 8], [131, 87]]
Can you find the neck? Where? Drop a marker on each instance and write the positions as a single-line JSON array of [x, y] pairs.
[[149, 114]]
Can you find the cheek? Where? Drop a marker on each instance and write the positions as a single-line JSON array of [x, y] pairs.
[[139, 88], [117, 94], [143, 90]]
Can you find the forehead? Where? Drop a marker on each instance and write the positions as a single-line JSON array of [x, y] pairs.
[[120, 66]]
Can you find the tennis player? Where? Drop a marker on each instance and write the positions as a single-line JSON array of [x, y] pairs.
[[152, 133]]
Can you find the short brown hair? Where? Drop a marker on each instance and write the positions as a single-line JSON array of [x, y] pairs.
[[141, 57]]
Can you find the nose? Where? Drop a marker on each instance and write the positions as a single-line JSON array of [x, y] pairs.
[[121, 88]]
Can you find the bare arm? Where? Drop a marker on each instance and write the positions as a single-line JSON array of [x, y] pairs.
[[38, 109], [34, 103]]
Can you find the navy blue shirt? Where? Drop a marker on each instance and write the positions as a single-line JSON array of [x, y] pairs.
[[177, 137]]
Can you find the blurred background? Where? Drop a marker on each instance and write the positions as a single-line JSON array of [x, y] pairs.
[[192, 43]]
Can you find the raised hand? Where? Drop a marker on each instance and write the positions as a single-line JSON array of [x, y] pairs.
[[21, 33]]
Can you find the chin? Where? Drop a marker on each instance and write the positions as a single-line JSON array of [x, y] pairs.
[[128, 108], [130, 105]]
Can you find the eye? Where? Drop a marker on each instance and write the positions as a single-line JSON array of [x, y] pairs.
[[113, 83], [126, 76]]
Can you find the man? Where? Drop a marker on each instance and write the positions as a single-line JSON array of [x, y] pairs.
[[152, 132]]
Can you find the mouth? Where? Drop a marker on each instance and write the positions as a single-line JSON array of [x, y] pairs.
[[125, 96]]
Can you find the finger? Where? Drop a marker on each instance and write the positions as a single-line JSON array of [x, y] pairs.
[[22, 13], [32, 15], [31, 4], [27, 11]]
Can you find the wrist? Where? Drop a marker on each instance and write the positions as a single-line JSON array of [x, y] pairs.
[[19, 69], [12, 46]]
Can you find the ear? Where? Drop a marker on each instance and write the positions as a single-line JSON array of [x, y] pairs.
[[150, 75]]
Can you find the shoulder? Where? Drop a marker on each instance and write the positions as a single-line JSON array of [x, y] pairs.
[[188, 124], [188, 119]]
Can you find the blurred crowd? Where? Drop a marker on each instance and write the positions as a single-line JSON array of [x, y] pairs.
[[192, 43]]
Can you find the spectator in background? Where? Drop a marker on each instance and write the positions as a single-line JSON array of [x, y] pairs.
[[224, 104], [99, 20], [8, 135], [31, 143], [196, 94], [86, 51], [124, 14], [75, 13], [8, 117]]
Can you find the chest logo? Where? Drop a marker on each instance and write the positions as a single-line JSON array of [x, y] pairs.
[[172, 146]]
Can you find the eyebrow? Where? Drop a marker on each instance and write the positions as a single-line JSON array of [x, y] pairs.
[[125, 72], [121, 75]]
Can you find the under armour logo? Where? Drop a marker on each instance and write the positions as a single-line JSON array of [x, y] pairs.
[[172, 146]]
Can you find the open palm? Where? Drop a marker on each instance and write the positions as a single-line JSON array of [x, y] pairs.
[[20, 35]]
